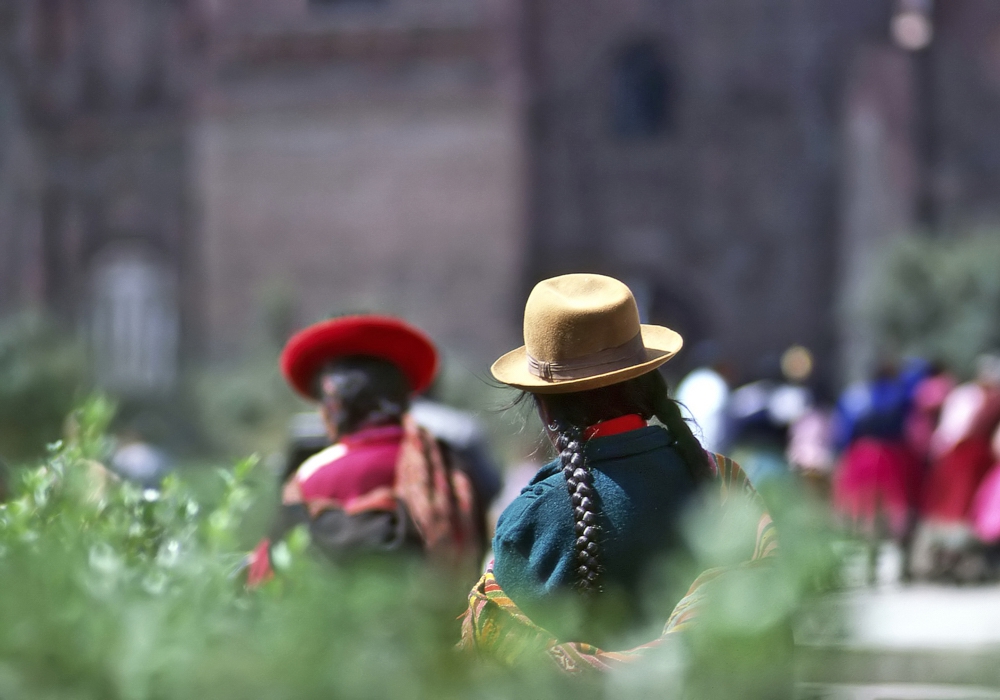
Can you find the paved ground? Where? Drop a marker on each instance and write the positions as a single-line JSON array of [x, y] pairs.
[[912, 617], [893, 642], [895, 691]]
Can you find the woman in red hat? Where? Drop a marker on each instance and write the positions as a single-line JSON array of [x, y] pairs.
[[384, 484]]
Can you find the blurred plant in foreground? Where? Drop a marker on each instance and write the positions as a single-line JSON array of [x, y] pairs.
[[41, 374], [245, 407], [108, 591]]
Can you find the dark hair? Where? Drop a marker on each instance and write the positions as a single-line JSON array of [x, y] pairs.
[[570, 414], [361, 391]]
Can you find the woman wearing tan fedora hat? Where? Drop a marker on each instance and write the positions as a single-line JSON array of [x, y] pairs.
[[593, 525]]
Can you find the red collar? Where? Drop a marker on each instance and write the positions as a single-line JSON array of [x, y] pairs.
[[622, 424]]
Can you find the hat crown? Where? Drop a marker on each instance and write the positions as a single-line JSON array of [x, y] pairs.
[[578, 315]]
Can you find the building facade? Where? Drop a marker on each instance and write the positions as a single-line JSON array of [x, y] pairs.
[[95, 206], [361, 156], [169, 168], [170, 171], [691, 148], [742, 163]]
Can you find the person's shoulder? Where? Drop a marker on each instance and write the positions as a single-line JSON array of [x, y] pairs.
[[533, 503], [321, 459], [730, 477], [724, 468], [545, 474], [547, 480]]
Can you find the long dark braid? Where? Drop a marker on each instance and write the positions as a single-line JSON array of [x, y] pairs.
[[579, 482], [569, 414], [668, 412]]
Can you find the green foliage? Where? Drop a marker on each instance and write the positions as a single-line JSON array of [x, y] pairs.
[[107, 591], [41, 373], [245, 407], [939, 298]]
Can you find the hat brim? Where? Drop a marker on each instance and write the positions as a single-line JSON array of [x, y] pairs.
[[383, 337], [660, 342]]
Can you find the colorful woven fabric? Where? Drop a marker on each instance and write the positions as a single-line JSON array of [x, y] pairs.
[[430, 496], [438, 497], [494, 626]]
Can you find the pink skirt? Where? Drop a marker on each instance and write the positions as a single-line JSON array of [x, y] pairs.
[[986, 507], [878, 478]]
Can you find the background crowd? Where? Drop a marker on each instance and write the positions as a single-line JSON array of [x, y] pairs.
[[910, 455]]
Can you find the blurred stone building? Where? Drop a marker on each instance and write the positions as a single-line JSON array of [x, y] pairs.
[[691, 147], [95, 213], [741, 162], [361, 155], [171, 173]]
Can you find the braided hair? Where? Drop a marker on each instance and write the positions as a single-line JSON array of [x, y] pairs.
[[569, 442], [568, 415]]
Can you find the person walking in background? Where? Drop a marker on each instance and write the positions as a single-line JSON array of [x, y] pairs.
[[929, 396], [960, 446], [986, 505], [810, 451], [762, 412], [876, 485], [703, 395], [575, 551], [385, 484], [961, 456]]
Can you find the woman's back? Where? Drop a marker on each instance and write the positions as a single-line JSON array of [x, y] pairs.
[[643, 487], [584, 556]]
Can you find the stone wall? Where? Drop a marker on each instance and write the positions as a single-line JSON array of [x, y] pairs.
[[93, 159], [363, 160], [433, 158], [961, 77], [727, 214]]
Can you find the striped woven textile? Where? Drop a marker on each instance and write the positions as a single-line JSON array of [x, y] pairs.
[[494, 626], [431, 492]]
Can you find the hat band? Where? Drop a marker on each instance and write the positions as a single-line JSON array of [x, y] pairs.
[[628, 354]]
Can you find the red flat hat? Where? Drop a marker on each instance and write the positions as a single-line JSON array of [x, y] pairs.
[[375, 336]]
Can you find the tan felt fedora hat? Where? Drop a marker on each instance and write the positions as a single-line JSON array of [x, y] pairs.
[[581, 332]]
